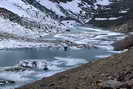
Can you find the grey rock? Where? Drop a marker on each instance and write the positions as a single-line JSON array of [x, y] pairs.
[[124, 43]]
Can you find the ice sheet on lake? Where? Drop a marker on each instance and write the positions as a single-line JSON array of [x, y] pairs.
[[9, 43], [29, 75], [92, 36], [71, 61]]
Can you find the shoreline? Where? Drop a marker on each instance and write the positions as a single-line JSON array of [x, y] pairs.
[[86, 75]]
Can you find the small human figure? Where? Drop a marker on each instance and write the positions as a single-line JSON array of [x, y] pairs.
[[45, 66], [65, 48], [68, 30], [34, 64]]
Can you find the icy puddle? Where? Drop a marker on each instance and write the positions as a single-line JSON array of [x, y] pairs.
[[57, 59]]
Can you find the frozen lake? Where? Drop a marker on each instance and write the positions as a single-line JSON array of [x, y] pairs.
[[57, 59]]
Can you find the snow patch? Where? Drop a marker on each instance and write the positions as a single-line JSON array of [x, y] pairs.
[[103, 2], [102, 56], [72, 6], [51, 6]]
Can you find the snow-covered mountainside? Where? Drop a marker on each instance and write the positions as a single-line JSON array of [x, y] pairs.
[[81, 11], [26, 13], [33, 19]]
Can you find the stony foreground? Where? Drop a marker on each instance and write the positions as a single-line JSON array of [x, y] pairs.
[[108, 73]]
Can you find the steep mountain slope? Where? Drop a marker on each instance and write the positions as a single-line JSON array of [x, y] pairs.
[[81, 11], [36, 18], [20, 23], [26, 13]]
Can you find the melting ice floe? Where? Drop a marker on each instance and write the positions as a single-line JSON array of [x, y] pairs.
[[78, 35], [28, 75], [10, 43], [71, 61], [93, 36], [25, 76]]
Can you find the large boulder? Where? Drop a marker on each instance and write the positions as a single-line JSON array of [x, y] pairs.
[[114, 84], [125, 43]]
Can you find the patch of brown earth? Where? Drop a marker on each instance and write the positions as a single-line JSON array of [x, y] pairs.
[[117, 68]]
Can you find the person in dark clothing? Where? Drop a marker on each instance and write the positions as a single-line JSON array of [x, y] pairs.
[[65, 48], [34, 64], [45, 66]]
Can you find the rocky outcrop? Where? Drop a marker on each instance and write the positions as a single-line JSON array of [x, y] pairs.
[[9, 15], [114, 84], [126, 27], [125, 43]]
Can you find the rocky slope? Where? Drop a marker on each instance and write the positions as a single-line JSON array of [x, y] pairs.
[[124, 43], [125, 27]]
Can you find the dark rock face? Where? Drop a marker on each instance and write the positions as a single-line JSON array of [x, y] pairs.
[[9, 15], [124, 44], [121, 10], [126, 27]]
